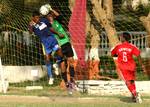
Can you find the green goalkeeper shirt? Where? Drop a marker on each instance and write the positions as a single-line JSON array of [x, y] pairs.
[[58, 27]]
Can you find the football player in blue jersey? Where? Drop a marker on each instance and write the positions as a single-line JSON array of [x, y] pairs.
[[41, 27]]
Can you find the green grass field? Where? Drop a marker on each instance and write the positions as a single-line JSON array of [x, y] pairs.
[[31, 101], [73, 105], [55, 97]]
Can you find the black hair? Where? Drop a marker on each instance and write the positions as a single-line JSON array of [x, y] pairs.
[[35, 13], [126, 35]]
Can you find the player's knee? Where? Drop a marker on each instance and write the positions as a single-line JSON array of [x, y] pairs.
[[129, 82], [59, 52], [71, 61], [132, 81], [59, 59]]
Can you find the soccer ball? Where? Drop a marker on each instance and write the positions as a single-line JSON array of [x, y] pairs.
[[44, 9]]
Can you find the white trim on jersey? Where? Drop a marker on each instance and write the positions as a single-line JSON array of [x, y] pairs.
[[42, 26], [74, 52]]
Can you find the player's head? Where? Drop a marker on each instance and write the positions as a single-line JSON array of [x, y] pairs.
[[125, 36], [36, 16]]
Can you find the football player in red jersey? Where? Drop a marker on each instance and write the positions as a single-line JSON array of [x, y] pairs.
[[125, 52]]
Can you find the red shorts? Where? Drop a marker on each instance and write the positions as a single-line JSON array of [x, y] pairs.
[[126, 70], [127, 75]]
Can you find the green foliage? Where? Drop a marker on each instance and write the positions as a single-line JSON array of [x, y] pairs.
[[107, 62], [107, 67], [145, 10], [128, 19]]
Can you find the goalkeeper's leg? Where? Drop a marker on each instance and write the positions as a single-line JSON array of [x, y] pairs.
[[68, 52], [61, 62], [72, 73]]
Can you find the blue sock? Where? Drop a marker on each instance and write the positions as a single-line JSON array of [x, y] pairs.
[[49, 70]]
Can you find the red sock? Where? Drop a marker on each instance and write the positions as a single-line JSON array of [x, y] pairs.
[[131, 87]]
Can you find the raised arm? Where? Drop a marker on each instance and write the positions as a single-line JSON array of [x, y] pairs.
[[55, 12], [30, 26]]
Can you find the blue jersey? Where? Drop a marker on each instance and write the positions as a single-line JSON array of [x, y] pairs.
[[42, 30]]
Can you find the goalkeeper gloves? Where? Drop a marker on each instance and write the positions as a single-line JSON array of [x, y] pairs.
[[48, 6]]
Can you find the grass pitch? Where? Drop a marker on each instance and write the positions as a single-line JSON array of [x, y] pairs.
[[56, 97]]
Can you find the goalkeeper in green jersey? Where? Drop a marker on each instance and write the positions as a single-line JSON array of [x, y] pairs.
[[63, 39]]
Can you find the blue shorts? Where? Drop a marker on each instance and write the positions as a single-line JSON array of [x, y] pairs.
[[47, 51], [50, 45]]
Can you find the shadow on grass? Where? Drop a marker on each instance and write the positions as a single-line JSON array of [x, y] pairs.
[[126, 99]]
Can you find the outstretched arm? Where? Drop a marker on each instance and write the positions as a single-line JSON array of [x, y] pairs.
[[55, 12]]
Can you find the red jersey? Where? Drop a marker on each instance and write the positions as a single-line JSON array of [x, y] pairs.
[[125, 52]]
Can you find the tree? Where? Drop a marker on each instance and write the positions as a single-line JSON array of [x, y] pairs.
[[134, 4], [102, 10], [146, 23]]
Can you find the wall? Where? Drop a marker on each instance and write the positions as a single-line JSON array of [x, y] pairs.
[[98, 87], [15, 74]]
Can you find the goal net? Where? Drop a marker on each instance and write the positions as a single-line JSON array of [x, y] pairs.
[[22, 52]]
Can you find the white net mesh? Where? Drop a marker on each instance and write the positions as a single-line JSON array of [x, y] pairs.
[[23, 50]]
